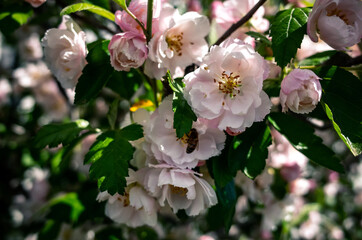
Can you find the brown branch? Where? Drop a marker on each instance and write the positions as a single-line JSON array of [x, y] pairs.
[[240, 22]]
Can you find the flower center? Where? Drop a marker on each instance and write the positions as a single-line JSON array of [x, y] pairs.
[[337, 12], [124, 199], [178, 190], [174, 42], [229, 84]]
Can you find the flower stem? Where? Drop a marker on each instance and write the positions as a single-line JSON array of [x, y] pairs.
[[240, 22], [149, 19]]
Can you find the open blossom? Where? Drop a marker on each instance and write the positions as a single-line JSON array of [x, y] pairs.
[[162, 143], [32, 74], [338, 22], [227, 88], [139, 9], [230, 11], [300, 91], [179, 42], [30, 48], [65, 51], [135, 208], [36, 3], [128, 50], [180, 188]]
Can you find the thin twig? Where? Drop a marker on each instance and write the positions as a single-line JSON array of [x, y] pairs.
[[239, 23], [149, 19]]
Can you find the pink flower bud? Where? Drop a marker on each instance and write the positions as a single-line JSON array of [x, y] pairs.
[[300, 91], [290, 172], [128, 50], [36, 3], [139, 9], [338, 22]]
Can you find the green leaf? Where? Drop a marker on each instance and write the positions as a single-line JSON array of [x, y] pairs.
[[220, 169], [287, 32], [342, 103], [66, 208], [184, 116], [121, 3], [13, 16], [89, 7], [95, 74], [249, 151], [125, 84], [301, 135], [113, 113], [259, 37], [318, 58], [50, 230], [109, 156], [54, 134], [223, 213], [132, 132], [272, 87], [109, 233], [101, 3]]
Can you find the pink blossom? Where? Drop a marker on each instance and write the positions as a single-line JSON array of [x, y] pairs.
[[32, 74], [300, 91], [301, 186], [339, 22], [282, 153], [135, 208], [180, 188], [47, 94], [227, 88], [179, 42], [230, 11], [36, 3], [308, 48], [65, 51], [139, 9], [5, 90], [162, 143], [128, 50], [30, 48], [194, 5], [290, 172]]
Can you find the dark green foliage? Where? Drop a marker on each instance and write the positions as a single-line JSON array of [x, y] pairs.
[[95, 74], [287, 32], [54, 134]]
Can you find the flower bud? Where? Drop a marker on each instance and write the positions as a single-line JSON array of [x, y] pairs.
[[128, 50], [36, 3], [300, 91], [339, 23]]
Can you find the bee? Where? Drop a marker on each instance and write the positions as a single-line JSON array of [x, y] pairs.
[[192, 140]]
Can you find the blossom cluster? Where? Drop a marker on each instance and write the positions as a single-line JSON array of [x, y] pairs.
[[225, 92]]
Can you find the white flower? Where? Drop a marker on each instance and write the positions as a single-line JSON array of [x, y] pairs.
[[65, 51], [181, 188], [135, 208], [300, 91], [227, 88], [230, 11], [179, 42], [32, 74], [30, 48], [162, 143], [339, 22]]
